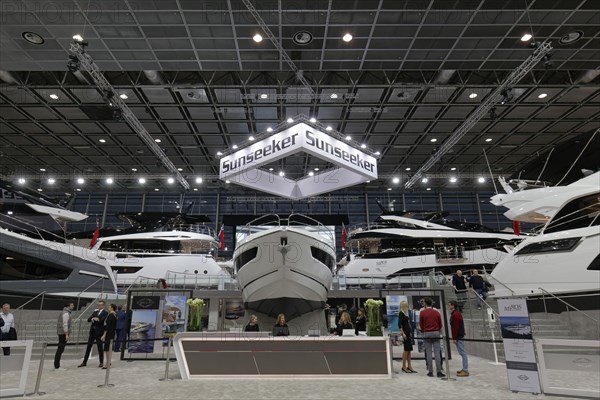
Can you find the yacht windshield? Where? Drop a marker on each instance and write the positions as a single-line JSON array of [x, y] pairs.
[[578, 213]]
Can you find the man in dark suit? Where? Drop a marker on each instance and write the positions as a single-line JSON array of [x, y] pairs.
[[96, 330]]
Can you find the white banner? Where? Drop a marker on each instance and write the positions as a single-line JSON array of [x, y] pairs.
[[521, 363]]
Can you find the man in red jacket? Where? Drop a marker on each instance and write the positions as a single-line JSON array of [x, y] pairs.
[[430, 323], [458, 333]]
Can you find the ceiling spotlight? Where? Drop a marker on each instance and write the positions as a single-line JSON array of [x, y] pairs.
[[407, 169], [21, 181], [264, 96], [170, 181], [134, 169], [195, 189], [234, 147], [424, 180], [156, 189], [316, 169], [198, 180], [219, 153], [453, 179], [472, 95], [290, 120], [123, 96], [428, 189], [227, 181], [313, 120], [142, 180], [333, 95], [78, 38], [396, 180], [348, 137], [377, 153], [78, 189], [51, 181], [157, 140], [109, 181], [251, 138], [433, 140], [179, 169], [270, 169], [43, 169], [363, 146], [453, 169], [269, 129], [257, 38], [102, 140], [328, 128], [281, 173], [311, 173], [53, 96], [542, 95], [80, 181], [488, 139], [347, 37], [40, 190], [481, 179], [526, 37], [389, 189]]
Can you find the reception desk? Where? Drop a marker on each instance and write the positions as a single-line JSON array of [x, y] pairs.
[[202, 355]]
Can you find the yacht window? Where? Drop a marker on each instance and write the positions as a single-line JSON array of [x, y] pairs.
[[142, 245], [579, 213], [245, 257], [595, 265], [322, 256], [13, 269]]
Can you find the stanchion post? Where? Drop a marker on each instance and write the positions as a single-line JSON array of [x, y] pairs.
[[108, 359], [38, 381], [166, 377], [448, 377]]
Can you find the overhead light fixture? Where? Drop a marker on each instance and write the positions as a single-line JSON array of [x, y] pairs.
[[78, 189], [21, 181], [311, 173], [234, 147], [134, 169], [227, 181], [264, 96], [257, 38], [157, 140], [43, 169], [179, 169], [270, 169], [269, 129], [156, 189], [109, 181], [80, 181], [347, 37], [290, 120], [328, 128], [142, 180], [428, 189], [333, 96], [472, 95], [316, 169], [51, 181], [542, 95], [170, 181], [407, 169], [40, 190], [453, 179], [481, 179], [195, 189], [526, 37], [433, 140], [53, 96], [424, 180], [453, 169], [102, 140], [251, 138], [78, 38], [281, 173], [377, 153], [396, 180], [219, 153], [389, 189], [363, 146], [348, 137], [123, 96], [198, 180], [313, 120], [488, 139]]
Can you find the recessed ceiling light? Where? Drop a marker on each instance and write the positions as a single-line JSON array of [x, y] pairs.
[[269, 129], [134, 169], [453, 179], [179, 169], [257, 38], [313, 120], [433, 140], [234, 147], [290, 120], [311, 173], [328, 128], [78, 189], [156, 189], [53, 96], [21, 180], [348, 137], [80, 181], [316, 169], [542, 95], [389, 188], [198, 180], [571, 37], [407, 168], [78, 38], [424, 180], [481, 179], [157, 140], [40, 190], [472, 95], [333, 95], [123, 96], [396, 180], [488, 139], [142, 180], [526, 37], [251, 138], [170, 181], [43, 169], [453, 169], [270, 169], [377, 153], [264, 96], [195, 189], [281, 173], [102, 140], [219, 153], [347, 37], [51, 181], [109, 181], [428, 189], [363, 146], [33, 38], [227, 181]]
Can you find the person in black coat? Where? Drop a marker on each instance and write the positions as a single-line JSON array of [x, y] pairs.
[[344, 323], [281, 328], [361, 321], [96, 330], [405, 330], [110, 327], [252, 325]]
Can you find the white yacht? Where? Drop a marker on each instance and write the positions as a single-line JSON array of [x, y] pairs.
[[285, 268], [182, 256], [564, 257], [397, 245]]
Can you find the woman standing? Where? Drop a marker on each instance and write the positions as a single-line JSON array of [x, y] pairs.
[[252, 325], [281, 328], [404, 326], [361, 321], [110, 326]]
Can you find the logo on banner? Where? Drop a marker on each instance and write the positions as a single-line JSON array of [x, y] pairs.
[[523, 377], [582, 362], [513, 307]]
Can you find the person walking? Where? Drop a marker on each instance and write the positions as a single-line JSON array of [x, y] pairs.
[[64, 329], [477, 284], [110, 327], [96, 329], [457, 325], [430, 323], [460, 288], [7, 331]]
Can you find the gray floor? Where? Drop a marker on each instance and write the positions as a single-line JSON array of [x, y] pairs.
[[140, 380]]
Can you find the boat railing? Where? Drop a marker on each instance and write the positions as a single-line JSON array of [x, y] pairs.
[[151, 251], [195, 228], [291, 220], [493, 280], [22, 306], [36, 231], [195, 280], [568, 305], [141, 282]]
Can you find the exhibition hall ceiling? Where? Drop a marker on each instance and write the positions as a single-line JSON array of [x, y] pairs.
[[193, 75]]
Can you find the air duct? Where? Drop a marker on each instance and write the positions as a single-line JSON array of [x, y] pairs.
[[154, 77], [7, 77], [588, 76], [444, 76]]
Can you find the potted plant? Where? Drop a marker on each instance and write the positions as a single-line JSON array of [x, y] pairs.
[[374, 317], [196, 310]]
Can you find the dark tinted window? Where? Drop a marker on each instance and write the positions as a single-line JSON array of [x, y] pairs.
[[322, 256], [579, 213], [245, 258], [12, 269]]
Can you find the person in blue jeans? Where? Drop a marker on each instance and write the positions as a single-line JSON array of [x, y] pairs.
[[477, 284], [457, 326]]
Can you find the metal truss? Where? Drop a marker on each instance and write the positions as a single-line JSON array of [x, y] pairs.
[[501, 93], [86, 63]]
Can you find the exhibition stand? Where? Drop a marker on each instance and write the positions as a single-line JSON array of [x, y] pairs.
[[249, 355]]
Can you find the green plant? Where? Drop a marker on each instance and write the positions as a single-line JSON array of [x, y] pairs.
[[196, 310], [374, 317]]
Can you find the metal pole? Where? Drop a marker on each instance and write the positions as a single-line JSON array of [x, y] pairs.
[[447, 378], [494, 343], [41, 305], [39, 374], [108, 357], [166, 377]]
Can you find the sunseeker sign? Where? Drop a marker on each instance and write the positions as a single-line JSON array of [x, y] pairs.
[[352, 165]]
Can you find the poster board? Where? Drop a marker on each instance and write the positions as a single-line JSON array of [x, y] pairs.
[[521, 362], [392, 310]]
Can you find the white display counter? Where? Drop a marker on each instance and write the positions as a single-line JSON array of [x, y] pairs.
[[251, 355]]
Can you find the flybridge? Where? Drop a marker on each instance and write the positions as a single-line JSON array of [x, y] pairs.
[[352, 165]]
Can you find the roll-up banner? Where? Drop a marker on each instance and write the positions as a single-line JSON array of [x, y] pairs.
[[521, 363]]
